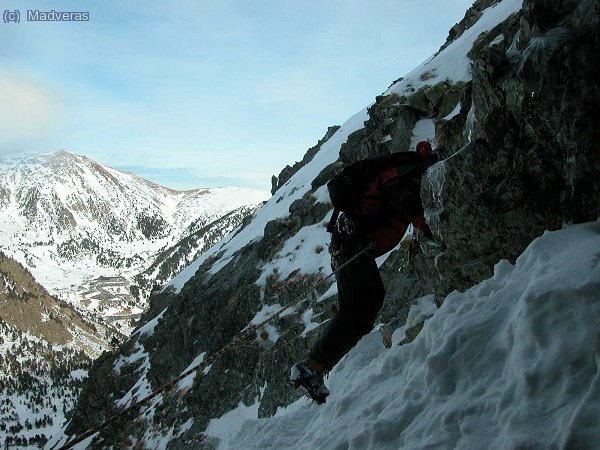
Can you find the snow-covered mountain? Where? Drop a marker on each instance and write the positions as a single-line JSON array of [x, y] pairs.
[[510, 102], [71, 221]]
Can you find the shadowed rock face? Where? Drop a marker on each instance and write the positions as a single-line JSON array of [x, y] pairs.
[[519, 158], [530, 164]]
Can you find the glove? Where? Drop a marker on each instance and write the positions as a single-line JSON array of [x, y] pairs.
[[345, 225]]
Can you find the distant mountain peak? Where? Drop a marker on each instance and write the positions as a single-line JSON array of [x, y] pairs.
[[70, 219]]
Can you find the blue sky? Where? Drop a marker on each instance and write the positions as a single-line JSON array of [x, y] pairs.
[[204, 93]]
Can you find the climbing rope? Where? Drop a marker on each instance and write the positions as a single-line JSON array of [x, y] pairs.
[[243, 337]]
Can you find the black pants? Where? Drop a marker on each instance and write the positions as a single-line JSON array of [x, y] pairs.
[[360, 297]]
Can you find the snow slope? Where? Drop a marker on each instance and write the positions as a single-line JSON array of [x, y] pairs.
[[513, 362]]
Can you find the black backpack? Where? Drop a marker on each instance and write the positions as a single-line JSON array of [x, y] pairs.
[[347, 188]]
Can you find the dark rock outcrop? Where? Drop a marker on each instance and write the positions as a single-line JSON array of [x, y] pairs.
[[531, 163]]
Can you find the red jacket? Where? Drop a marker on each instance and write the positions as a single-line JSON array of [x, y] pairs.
[[391, 202]]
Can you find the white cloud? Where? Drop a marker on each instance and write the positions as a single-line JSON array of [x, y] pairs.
[[29, 111]]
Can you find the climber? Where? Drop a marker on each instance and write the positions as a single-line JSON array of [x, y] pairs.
[[376, 219]]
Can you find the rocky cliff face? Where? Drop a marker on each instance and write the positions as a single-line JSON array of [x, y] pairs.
[[517, 136], [530, 148]]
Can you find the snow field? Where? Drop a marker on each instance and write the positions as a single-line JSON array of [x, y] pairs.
[[513, 362]]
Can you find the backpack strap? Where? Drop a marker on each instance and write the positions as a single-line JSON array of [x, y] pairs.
[[333, 220]]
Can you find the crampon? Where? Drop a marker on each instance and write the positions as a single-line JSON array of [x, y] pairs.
[[310, 381]]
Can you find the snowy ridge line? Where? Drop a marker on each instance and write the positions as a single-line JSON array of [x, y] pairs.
[[243, 337]]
